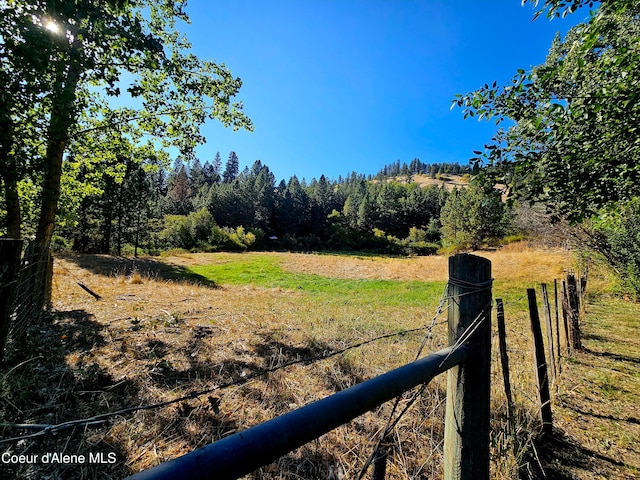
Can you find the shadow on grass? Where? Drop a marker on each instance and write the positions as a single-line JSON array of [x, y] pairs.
[[558, 456], [46, 380], [632, 420], [308, 464], [270, 353], [613, 356], [108, 265], [275, 351]]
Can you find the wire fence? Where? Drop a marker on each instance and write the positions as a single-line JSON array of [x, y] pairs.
[[44, 429], [388, 437], [39, 430], [27, 288]]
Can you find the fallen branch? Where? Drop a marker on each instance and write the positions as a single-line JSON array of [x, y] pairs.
[[89, 291]]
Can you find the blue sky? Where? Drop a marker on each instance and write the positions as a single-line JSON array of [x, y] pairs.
[[335, 86]]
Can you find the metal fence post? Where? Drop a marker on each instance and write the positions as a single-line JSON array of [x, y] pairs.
[[466, 437]]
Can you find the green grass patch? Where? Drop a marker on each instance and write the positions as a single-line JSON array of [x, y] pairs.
[[265, 271]]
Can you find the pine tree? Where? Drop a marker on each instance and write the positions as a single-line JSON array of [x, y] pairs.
[[231, 169], [215, 171], [179, 193], [197, 177]]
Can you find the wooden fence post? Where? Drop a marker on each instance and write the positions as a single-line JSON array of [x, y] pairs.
[[583, 287], [565, 316], [504, 360], [574, 312], [550, 342], [555, 295], [10, 253], [466, 433], [541, 364]]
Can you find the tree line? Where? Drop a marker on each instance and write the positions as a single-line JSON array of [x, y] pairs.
[[75, 164], [211, 206], [418, 167]]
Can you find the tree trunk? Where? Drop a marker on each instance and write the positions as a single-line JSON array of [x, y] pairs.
[[62, 118], [12, 201], [107, 214], [9, 175], [137, 240], [120, 213]]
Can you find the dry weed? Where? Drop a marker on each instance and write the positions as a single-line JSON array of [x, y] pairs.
[[154, 338]]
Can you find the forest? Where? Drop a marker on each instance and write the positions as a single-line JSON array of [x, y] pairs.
[[212, 207]]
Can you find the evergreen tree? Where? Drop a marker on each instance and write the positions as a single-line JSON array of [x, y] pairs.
[[179, 193], [264, 199], [197, 176], [231, 169], [293, 213], [214, 170], [472, 215], [367, 213]]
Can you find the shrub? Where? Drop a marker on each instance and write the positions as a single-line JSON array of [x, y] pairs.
[[60, 244], [178, 232], [417, 235], [615, 235], [201, 225]]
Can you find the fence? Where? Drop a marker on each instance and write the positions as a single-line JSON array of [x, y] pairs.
[[25, 287], [466, 444], [467, 361], [546, 371]]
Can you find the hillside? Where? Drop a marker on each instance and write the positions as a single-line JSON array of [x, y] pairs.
[[448, 181]]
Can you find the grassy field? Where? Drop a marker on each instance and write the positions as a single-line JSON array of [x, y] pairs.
[[185, 323]]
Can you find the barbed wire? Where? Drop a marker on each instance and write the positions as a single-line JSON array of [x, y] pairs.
[[391, 422], [446, 298], [102, 418]]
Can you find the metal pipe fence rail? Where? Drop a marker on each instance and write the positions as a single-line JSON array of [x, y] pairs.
[[246, 451], [467, 360]]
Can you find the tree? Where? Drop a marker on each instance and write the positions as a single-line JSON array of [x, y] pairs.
[[179, 192], [62, 61], [293, 210], [197, 176], [231, 169], [574, 144], [615, 236], [263, 196], [471, 216], [58, 49], [213, 170], [108, 197]]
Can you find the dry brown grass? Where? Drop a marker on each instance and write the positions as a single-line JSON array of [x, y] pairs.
[[448, 181], [154, 337]]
